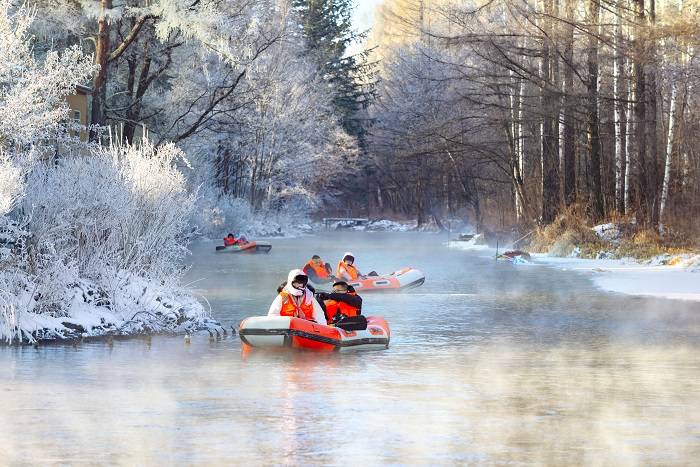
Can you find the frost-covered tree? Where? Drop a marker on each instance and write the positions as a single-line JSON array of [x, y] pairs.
[[227, 80], [89, 253], [34, 115], [33, 110], [329, 33]]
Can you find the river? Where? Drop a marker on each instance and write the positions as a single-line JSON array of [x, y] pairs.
[[490, 363]]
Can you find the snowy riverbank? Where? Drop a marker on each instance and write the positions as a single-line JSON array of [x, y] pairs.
[[674, 277]]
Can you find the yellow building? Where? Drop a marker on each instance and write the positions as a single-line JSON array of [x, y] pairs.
[[79, 104]]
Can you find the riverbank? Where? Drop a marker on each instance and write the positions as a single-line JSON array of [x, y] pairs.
[[674, 277], [668, 276]]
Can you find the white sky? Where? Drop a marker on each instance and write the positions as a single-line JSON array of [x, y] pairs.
[[364, 13]]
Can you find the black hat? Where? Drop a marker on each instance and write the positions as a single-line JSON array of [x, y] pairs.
[[301, 278]]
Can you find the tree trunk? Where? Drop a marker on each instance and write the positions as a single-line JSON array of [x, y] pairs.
[[640, 109], [593, 119], [569, 162], [550, 109], [669, 152], [619, 99], [652, 167], [99, 94]]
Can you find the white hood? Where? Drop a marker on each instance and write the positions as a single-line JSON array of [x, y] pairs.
[[292, 274]]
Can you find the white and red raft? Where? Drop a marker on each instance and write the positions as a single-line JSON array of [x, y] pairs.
[[285, 332], [393, 282]]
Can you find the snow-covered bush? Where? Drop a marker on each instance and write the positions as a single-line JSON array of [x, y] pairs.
[[108, 235], [216, 216]]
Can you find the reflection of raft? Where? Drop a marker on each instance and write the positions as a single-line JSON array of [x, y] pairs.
[[296, 333], [250, 247], [396, 281]]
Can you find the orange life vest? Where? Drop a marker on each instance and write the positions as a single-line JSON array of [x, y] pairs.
[[349, 268], [228, 242], [290, 308], [321, 272], [333, 307]]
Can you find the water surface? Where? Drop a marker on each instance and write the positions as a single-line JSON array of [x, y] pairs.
[[490, 363]]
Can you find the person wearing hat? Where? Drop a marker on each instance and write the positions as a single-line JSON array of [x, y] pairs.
[[343, 301], [346, 269], [318, 271], [296, 300]]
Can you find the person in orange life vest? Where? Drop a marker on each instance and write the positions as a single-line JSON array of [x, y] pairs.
[[297, 300], [229, 240], [343, 300], [318, 271], [347, 271]]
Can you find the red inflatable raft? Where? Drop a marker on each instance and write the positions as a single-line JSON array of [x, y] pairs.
[[250, 247], [295, 333], [396, 281]]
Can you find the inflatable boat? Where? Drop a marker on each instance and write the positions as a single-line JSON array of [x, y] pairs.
[[396, 281], [512, 255], [285, 332], [250, 247]]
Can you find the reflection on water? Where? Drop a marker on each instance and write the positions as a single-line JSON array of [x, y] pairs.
[[489, 363]]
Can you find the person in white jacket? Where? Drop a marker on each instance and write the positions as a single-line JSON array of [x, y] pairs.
[[295, 299]]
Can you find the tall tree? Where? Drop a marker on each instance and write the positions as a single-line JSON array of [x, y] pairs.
[[99, 83], [327, 26], [592, 116], [550, 118]]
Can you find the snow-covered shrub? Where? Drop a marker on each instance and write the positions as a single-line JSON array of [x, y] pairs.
[[217, 215], [10, 184], [108, 235]]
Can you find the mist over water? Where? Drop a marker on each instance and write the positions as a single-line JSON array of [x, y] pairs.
[[489, 363]]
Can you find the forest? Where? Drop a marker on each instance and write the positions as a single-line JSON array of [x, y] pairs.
[[529, 110]]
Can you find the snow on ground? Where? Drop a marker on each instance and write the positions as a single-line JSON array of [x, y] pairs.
[[676, 278]]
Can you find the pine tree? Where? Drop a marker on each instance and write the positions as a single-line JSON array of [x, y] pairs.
[[327, 25]]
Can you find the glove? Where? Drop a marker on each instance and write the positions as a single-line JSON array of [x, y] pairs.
[[322, 296]]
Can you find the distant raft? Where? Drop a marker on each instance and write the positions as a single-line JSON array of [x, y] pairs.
[[514, 255], [396, 281], [286, 332], [250, 247]]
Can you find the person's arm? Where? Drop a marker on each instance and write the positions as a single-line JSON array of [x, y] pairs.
[[319, 315], [345, 275], [276, 306], [352, 300]]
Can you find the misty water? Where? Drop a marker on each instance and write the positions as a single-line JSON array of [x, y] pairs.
[[490, 363]]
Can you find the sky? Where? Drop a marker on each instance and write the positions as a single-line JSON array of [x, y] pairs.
[[364, 13]]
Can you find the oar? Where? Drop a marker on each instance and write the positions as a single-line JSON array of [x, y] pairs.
[[352, 323]]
